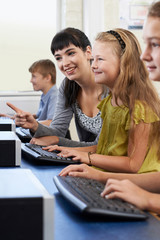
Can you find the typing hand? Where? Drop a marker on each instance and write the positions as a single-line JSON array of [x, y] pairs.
[[24, 119], [81, 170], [127, 191], [71, 152]]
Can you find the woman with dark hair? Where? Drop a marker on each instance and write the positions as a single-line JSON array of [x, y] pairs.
[[78, 95]]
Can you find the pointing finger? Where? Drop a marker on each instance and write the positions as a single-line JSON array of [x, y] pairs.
[[17, 110]]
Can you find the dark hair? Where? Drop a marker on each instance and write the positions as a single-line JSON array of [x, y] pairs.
[[44, 67], [69, 36], [61, 40]]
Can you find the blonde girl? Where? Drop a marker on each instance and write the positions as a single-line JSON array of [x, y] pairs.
[[130, 136]]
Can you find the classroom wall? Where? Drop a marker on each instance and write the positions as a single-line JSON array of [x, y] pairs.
[[27, 28]]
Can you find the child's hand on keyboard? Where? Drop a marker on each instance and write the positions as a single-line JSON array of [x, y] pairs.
[[75, 154], [69, 152], [82, 170], [127, 191]]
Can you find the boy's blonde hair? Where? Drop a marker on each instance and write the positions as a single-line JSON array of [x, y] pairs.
[[133, 82], [44, 67]]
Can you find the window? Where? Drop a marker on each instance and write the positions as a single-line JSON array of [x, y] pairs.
[[27, 28], [133, 13]]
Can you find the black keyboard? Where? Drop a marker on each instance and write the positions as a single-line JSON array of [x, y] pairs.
[[26, 132], [36, 152], [85, 195], [23, 134]]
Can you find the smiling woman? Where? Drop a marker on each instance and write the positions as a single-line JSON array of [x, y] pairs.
[[27, 28], [78, 94]]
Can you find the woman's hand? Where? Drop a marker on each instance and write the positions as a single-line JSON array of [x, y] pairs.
[[127, 191], [45, 141], [24, 119]]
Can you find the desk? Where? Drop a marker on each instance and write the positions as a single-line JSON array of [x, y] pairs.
[[70, 225]]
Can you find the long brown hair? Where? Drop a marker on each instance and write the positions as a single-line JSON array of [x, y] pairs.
[[133, 82]]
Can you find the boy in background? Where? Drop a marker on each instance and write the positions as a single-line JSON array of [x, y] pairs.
[[43, 78]]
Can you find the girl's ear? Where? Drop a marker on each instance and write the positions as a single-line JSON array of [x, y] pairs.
[[88, 52]]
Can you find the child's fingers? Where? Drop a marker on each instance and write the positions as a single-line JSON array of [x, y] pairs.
[[17, 110], [65, 171]]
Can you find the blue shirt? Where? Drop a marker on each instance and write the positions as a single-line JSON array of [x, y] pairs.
[[47, 104]]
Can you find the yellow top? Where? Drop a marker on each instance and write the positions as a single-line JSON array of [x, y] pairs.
[[113, 140]]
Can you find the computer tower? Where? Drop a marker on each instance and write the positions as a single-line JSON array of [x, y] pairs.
[[10, 149], [27, 209], [7, 124]]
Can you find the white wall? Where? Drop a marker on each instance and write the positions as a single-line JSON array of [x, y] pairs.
[[27, 28]]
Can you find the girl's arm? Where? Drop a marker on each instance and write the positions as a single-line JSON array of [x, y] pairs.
[[65, 150], [148, 181], [130, 192], [137, 149]]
